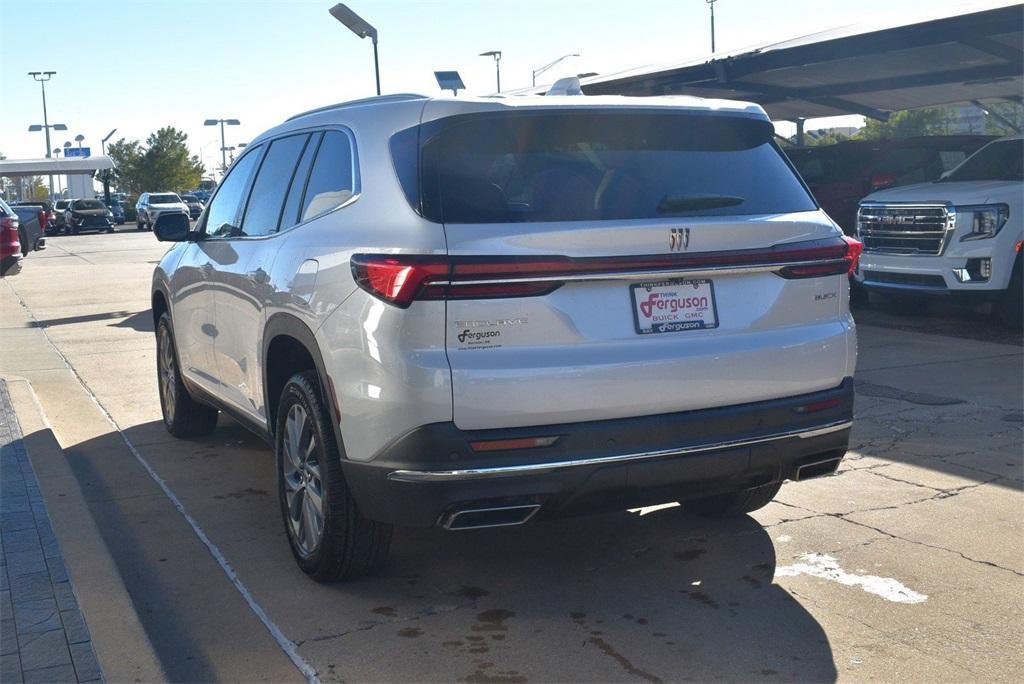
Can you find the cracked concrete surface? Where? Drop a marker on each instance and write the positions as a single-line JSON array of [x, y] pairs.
[[929, 495]]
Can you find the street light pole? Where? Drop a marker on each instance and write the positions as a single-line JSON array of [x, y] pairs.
[[361, 28], [42, 77], [223, 144], [538, 72], [496, 54], [711, 4]]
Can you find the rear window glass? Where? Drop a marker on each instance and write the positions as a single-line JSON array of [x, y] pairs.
[[587, 165], [832, 164], [88, 204]]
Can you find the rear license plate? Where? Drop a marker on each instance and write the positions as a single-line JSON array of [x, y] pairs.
[[673, 305]]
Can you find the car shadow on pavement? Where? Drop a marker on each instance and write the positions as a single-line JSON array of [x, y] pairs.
[[664, 596], [658, 596]]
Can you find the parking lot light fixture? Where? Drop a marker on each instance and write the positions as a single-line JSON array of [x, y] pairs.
[[103, 142], [78, 139], [42, 77], [359, 26], [541, 70], [496, 54], [223, 145]]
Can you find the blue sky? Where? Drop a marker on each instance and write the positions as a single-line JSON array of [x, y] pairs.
[[140, 65]]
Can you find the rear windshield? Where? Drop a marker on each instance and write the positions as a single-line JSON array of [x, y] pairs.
[[189, 198], [998, 161], [163, 199], [88, 204], [591, 165]]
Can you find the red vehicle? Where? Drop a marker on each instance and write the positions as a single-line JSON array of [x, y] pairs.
[[841, 175], [10, 243]]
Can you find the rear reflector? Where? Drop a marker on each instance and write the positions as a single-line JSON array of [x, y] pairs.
[[400, 278], [814, 407], [508, 444]]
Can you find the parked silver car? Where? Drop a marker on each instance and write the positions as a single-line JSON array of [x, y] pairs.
[[153, 205], [471, 313]]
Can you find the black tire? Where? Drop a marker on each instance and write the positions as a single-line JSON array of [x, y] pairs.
[[184, 417], [734, 503], [348, 545], [1010, 306]]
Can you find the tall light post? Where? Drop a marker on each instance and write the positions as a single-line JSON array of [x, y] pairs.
[[42, 77], [78, 139], [711, 5], [496, 54], [60, 184], [103, 142], [361, 28], [541, 70], [223, 145]]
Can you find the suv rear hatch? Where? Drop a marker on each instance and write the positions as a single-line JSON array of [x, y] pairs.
[[609, 263]]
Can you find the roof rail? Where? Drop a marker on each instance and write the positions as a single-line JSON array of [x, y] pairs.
[[397, 97]]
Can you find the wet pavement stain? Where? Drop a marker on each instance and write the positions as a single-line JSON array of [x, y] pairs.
[[701, 597], [471, 593], [752, 581], [495, 616], [689, 554], [624, 662], [242, 494], [410, 632], [452, 644], [386, 611]]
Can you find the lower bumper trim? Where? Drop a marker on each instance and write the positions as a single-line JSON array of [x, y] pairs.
[[541, 468]]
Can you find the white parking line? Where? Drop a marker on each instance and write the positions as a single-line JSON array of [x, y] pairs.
[[288, 646], [827, 567]]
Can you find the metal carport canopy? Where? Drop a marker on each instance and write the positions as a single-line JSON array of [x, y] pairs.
[[870, 69], [43, 167]]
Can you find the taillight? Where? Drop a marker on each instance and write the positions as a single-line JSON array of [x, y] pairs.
[[9, 242], [42, 220], [854, 249], [400, 279]]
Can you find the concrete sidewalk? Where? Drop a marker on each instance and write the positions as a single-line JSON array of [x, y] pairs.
[[43, 633]]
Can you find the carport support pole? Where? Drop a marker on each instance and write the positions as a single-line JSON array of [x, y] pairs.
[[800, 132]]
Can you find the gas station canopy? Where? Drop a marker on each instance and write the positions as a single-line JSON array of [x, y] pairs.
[[870, 69], [13, 168]]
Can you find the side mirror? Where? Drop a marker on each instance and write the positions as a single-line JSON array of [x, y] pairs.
[[172, 228]]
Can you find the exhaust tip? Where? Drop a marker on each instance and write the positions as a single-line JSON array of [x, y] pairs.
[[816, 468], [493, 516]]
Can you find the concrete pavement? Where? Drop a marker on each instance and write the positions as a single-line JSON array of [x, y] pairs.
[[908, 564]]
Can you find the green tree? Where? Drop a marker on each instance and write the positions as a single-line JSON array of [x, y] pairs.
[[161, 163], [907, 124], [1011, 111]]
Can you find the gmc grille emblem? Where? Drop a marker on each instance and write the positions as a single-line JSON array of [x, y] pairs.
[[898, 219], [678, 239]]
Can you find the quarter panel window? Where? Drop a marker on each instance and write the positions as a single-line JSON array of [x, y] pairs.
[[225, 210], [331, 181], [271, 185], [290, 215]]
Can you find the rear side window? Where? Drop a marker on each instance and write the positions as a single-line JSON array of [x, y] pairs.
[[290, 216], [590, 165], [268, 190], [331, 182], [226, 208], [832, 163]]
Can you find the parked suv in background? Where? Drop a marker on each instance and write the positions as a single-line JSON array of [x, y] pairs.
[[88, 214], [960, 235], [841, 175], [490, 310], [195, 207], [152, 205]]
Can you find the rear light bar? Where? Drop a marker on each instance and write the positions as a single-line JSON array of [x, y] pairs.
[[401, 278]]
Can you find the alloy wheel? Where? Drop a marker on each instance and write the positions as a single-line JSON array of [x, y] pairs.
[[303, 486]]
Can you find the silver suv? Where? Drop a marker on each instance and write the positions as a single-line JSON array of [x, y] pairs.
[[153, 205], [477, 312]]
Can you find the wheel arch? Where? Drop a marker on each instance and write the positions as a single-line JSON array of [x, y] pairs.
[[289, 346]]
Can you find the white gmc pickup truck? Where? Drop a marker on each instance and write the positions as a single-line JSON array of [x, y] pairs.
[[960, 235]]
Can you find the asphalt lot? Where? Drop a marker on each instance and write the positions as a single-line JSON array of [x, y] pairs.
[[906, 565]]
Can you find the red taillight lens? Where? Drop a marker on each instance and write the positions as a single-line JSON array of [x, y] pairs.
[[9, 242], [397, 279], [853, 252]]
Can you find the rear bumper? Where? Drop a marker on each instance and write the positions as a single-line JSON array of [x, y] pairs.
[[605, 465]]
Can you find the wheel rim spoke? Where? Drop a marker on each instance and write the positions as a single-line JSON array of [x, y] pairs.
[[303, 489]]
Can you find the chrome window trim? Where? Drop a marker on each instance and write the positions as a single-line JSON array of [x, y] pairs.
[[417, 476]]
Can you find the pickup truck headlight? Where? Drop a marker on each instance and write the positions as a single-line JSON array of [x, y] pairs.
[[985, 220]]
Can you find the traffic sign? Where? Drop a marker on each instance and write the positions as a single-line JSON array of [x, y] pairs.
[[77, 152]]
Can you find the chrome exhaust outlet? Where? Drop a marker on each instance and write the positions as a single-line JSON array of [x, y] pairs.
[[495, 516], [818, 468]]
